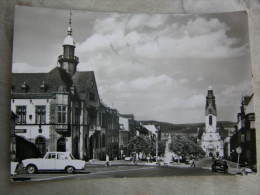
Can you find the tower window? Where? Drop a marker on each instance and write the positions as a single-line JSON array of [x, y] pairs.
[[210, 120]]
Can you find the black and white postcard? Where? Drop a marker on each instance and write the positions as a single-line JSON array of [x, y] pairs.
[[98, 94]]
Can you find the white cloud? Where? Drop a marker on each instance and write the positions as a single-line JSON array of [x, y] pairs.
[[197, 38], [144, 20], [239, 90]]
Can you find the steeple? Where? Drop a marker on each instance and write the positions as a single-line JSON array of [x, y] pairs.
[[210, 107], [68, 61], [70, 28]]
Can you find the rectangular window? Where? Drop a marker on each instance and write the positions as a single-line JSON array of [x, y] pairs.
[[92, 96], [61, 114], [40, 114], [21, 114]]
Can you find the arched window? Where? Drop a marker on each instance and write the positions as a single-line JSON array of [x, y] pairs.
[[40, 143], [210, 120], [61, 145]]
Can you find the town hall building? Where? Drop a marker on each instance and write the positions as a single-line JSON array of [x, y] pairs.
[[57, 110], [211, 141]]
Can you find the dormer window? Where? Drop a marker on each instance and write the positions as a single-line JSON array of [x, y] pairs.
[[43, 86], [24, 87]]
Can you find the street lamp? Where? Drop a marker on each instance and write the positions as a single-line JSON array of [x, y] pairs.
[[239, 151], [156, 146]]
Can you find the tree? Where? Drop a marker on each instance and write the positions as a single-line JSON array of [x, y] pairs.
[[140, 144], [185, 145]]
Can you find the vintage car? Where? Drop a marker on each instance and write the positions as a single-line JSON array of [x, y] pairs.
[[219, 165], [53, 161]]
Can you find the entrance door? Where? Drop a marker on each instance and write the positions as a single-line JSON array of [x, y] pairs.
[[40, 143], [61, 145]]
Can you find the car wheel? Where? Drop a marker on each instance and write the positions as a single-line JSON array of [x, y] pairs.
[[31, 169], [70, 169]]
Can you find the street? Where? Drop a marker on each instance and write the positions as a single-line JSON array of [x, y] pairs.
[[125, 170]]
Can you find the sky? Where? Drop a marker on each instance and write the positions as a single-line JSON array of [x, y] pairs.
[[156, 66]]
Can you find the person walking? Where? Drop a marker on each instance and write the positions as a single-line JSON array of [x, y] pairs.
[[193, 163], [107, 160]]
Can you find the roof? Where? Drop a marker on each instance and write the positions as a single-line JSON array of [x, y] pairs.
[[69, 40], [129, 116], [85, 82], [33, 81], [151, 128]]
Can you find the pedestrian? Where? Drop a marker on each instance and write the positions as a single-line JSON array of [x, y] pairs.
[[193, 163], [107, 160]]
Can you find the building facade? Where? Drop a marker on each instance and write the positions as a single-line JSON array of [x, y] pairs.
[[57, 109], [245, 135], [211, 141]]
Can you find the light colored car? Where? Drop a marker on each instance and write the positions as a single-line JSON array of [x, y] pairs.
[[53, 161], [128, 158]]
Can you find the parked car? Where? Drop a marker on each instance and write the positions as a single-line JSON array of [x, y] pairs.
[[128, 158], [53, 161], [219, 165]]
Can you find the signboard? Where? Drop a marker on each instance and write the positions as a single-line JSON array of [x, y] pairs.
[[61, 127], [20, 130]]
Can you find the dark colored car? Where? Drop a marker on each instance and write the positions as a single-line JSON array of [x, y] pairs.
[[219, 165]]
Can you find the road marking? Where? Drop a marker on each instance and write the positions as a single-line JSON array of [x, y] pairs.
[[79, 175]]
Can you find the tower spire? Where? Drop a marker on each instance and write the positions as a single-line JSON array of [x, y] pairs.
[[68, 61], [70, 28]]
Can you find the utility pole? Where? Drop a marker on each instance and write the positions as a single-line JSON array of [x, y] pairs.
[[157, 132]]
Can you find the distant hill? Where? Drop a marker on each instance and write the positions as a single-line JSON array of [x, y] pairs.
[[190, 128]]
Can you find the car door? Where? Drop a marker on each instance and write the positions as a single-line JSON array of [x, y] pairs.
[[49, 161], [62, 161]]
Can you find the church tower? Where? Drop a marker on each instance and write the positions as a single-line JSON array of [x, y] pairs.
[[211, 141], [210, 112], [68, 61]]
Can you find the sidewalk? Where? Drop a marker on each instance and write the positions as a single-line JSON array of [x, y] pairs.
[[99, 163]]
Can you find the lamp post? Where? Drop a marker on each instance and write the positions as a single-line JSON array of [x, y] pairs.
[[239, 151], [156, 146]]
